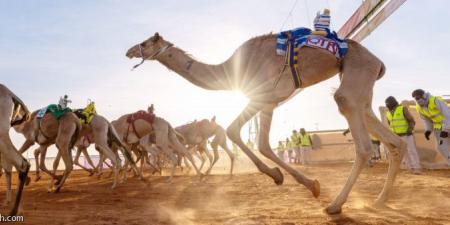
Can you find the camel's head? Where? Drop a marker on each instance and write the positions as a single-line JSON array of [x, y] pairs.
[[150, 48]]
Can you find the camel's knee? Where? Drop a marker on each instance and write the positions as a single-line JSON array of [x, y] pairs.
[[344, 102], [364, 155], [264, 148], [397, 151], [36, 153]]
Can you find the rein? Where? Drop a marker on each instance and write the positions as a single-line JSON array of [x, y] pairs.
[[141, 52]]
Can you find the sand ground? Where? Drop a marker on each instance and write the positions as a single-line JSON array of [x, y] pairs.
[[247, 198]]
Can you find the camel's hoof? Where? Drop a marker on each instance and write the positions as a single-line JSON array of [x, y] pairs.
[[58, 179], [315, 189], [57, 189], [332, 210], [278, 178], [27, 181]]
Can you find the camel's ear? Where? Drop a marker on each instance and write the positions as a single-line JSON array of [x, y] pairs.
[[213, 119]]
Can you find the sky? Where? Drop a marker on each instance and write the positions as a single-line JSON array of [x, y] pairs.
[[51, 48]]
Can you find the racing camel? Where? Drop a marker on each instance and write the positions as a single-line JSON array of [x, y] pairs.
[[136, 126], [257, 71], [13, 112], [48, 130], [196, 135]]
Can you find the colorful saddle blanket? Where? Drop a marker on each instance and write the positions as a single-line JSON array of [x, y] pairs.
[[54, 109], [289, 42], [302, 37], [141, 114]]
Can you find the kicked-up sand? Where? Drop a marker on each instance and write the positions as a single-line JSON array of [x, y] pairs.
[[248, 197]]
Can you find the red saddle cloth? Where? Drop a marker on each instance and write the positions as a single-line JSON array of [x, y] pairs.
[[141, 115]]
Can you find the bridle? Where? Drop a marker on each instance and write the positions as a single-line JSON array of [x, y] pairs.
[[157, 53]]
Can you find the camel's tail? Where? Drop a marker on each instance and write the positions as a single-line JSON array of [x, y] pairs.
[[113, 137], [175, 135], [19, 109], [179, 136]]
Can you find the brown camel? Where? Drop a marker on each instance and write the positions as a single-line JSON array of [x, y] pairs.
[[62, 132], [103, 134], [257, 71], [165, 138], [13, 112], [196, 135]]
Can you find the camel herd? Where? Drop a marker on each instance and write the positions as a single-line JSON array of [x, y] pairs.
[[254, 69], [150, 142]]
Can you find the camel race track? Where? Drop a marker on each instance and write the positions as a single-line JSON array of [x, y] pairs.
[[224, 112], [246, 198]]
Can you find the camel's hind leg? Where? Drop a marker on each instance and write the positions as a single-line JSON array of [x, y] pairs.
[[234, 133], [11, 155], [230, 154], [397, 149], [65, 133], [103, 147], [212, 159], [354, 97], [77, 161], [37, 152], [266, 150], [89, 160]]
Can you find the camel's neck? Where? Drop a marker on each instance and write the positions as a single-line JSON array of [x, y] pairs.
[[211, 77]]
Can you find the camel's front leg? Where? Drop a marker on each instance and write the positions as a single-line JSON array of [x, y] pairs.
[[397, 149], [351, 105], [234, 133], [43, 167], [36, 158], [266, 150], [63, 147], [230, 155], [55, 168], [10, 154]]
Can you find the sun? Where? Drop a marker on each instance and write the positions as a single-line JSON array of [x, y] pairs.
[[227, 105]]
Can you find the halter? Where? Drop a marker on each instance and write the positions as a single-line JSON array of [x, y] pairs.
[[141, 52]]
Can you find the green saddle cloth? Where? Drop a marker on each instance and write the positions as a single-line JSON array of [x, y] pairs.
[[57, 111]]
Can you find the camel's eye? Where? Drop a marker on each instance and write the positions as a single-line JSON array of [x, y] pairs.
[[143, 44]]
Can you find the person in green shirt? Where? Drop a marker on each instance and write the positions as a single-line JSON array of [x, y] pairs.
[[306, 146]]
